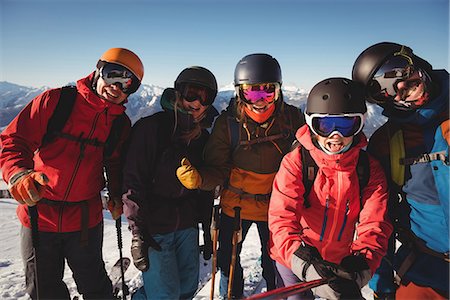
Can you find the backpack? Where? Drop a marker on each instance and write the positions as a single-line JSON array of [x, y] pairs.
[[310, 169], [62, 113]]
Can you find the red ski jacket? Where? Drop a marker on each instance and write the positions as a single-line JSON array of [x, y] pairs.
[[335, 215], [74, 169]]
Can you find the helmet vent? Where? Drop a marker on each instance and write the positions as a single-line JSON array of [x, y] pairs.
[[326, 96]]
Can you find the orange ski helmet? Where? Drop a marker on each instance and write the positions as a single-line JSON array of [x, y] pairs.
[[123, 57]]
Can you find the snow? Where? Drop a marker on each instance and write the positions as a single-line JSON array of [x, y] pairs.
[[12, 280]]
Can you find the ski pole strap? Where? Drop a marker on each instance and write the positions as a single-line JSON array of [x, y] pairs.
[[84, 206], [284, 292]]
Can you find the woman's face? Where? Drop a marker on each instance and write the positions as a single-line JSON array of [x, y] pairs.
[[194, 101]]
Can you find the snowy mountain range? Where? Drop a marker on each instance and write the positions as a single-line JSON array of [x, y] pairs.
[[145, 102]]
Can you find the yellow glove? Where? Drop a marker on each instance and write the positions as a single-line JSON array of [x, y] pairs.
[[115, 206], [28, 187], [189, 175]]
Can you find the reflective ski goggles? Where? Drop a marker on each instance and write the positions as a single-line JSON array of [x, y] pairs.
[[120, 76], [400, 67], [326, 125], [252, 93]]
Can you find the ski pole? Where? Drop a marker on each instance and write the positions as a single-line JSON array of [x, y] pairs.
[[215, 224], [119, 244], [284, 292], [235, 241], [33, 214]]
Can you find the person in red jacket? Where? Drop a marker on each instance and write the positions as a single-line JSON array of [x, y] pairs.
[[58, 182], [313, 235]]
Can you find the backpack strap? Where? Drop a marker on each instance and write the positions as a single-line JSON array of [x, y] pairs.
[[233, 131], [397, 154], [114, 135], [363, 171], [61, 114]]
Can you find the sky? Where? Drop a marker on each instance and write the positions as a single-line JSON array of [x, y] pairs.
[[54, 42]]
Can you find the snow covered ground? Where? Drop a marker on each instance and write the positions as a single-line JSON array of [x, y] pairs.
[[11, 267]]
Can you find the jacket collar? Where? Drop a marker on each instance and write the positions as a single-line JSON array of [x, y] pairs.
[[343, 161]]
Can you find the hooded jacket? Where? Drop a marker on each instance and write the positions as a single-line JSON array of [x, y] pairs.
[[75, 171], [426, 188], [335, 215], [249, 168], [155, 201]]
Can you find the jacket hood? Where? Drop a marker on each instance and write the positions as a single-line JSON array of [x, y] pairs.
[[84, 87], [340, 161], [428, 112]]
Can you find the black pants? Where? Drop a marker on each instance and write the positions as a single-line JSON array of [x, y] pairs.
[[225, 250], [86, 263]]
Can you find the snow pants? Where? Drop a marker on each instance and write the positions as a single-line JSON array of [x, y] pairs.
[[225, 251], [174, 271], [285, 277], [54, 248]]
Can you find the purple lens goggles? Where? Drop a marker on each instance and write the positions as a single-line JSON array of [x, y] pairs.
[[252, 93]]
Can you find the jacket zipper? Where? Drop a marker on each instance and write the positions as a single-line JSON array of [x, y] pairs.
[[325, 218], [75, 171], [347, 208]]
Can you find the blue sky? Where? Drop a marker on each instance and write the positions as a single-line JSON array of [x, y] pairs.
[[53, 42]]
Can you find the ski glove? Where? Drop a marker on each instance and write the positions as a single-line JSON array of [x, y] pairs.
[[140, 250], [115, 206], [28, 187], [189, 175], [308, 264]]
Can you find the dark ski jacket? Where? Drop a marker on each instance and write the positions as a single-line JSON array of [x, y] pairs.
[[155, 202]]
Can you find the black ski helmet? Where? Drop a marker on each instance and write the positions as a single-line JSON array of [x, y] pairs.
[[336, 96], [371, 59], [198, 76], [257, 68]]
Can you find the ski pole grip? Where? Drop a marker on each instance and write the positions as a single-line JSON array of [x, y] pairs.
[[237, 218], [215, 218]]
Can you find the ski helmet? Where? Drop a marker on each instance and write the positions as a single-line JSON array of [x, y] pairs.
[[373, 58], [125, 58], [257, 68], [197, 75], [336, 96]]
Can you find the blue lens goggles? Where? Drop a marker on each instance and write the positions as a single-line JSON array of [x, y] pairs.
[[325, 125]]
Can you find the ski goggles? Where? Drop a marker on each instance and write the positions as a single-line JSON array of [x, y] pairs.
[[345, 125], [400, 67], [193, 93], [120, 76], [252, 93]]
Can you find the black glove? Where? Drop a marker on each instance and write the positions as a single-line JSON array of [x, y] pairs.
[[352, 274], [208, 245], [139, 252]]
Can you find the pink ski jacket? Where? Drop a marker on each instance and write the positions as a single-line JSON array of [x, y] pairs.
[[337, 223]]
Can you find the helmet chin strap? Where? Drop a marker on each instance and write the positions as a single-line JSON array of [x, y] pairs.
[[338, 152]]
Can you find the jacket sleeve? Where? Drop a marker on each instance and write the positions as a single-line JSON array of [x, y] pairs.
[[137, 173], [114, 163], [374, 228], [285, 205], [23, 136], [217, 155]]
